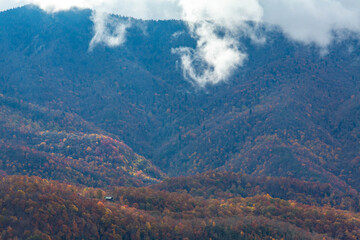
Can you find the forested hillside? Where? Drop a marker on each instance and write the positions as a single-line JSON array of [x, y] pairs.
[[33, 208], [62, 146], [273, 153], [288, 104]]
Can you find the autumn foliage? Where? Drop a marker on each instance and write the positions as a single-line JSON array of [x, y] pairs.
[[34, 208]]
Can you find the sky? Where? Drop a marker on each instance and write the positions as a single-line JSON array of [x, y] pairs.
[[306, 21]]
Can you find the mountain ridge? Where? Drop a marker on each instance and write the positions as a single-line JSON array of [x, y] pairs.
[[114, 143], [287, 104]]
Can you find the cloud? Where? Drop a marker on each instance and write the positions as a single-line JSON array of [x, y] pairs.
[[312, 21], [217, 55], [108, 30], [144, 9], [4, 5]]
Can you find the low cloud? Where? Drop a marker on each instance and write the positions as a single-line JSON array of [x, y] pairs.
[[108, 30], [313, 21], [217, 55], [214, 58]]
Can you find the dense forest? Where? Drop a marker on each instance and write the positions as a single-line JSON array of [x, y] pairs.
[[273, 153], [34, 208]]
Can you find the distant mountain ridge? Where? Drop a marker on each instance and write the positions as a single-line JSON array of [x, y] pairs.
[[287, 112]]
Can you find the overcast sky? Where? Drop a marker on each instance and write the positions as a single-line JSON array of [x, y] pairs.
[[307, 21]]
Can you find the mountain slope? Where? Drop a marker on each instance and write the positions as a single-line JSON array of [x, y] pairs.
[[62, 146], [34, 208], [288, 112]]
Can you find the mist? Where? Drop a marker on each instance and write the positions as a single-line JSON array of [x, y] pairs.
[[306, 21]]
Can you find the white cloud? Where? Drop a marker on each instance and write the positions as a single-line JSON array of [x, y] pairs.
[[144, 9], [216, 55], [4, 5], [307, 21], [108, 30], [228, 13], [105, 29], [312, 21]]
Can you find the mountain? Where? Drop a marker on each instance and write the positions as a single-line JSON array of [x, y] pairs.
[[273, 153], [290, 111]]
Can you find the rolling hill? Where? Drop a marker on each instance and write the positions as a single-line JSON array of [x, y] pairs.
[[62, 146], [34, 208]]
